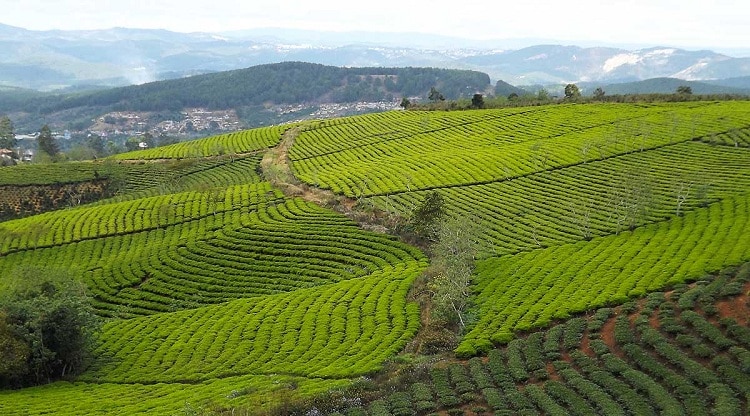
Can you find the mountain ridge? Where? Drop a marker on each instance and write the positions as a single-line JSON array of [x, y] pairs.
[[48, 60]]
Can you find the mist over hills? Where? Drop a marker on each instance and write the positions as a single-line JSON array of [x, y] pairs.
[[48, 60]]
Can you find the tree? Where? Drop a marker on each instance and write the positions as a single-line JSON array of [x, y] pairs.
[[542, 95], [131, 143], [46, 327], [46, 143], [572, 92], [405, 103], [477, 101], [435, 95], [96, 143], [7, 137], [684, 90], [598, 94], [426, 219]]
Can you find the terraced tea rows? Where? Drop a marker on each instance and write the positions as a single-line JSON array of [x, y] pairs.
[[500, 126], [73, 399], [64, 227], [259, 258], [253, 243], [245, 141], [593, 199], [51, 173], [430, 158], [734, 137], [529, 290], [339, 330], [180, 176], [216, 284], [46, 188], [656, 356]]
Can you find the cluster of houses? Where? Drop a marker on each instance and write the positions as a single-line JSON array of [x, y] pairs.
[[12, 156], [140, 123]]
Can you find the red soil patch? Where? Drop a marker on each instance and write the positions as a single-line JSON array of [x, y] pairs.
[[586, 345], [737, 308], [607, 332], [552, 373], [653, 320]]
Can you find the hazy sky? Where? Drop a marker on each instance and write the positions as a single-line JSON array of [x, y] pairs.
[[686, 23]]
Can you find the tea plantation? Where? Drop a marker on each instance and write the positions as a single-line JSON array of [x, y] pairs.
[[609, 275]]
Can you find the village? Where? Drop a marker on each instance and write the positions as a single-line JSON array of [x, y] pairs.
[[194, 120]]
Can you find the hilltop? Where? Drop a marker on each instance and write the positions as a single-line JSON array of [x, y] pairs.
[[258, 95]]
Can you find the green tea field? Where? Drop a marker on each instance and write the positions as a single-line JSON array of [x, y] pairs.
[[610, 274]]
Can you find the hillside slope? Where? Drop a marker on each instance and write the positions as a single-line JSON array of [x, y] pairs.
[[224, 292]]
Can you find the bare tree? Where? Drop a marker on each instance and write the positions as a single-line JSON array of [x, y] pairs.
[[580, 216], [630, 199], [585, 148], [453, 257], [682, 189]]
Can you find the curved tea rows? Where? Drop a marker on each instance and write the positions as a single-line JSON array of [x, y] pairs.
[[592, 199], [657, 356], [158, 178], [63, 227], [256, 244], [74, 399], [516, 293], [50, 173], [339, 330], [244, 141], [497, 126], [733, 137], [447, 157], [258, 258]]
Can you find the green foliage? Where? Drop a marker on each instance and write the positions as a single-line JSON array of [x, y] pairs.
[[428, 216], [572, 92], [650, 373], [477, 101], [46, 143], [684, 90], [279, 83], [599, 94], [7, 136], [453, 257], [47, 327], [316, 296], [435, 95]]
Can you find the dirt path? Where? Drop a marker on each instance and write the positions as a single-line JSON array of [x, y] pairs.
[[277, 169]]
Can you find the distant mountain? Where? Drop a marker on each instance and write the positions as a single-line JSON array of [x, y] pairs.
[[504, 89], [739, 82], [662, 86], [47, 60], [549, 64]]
